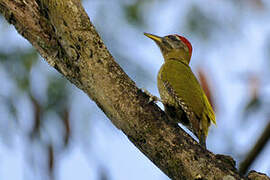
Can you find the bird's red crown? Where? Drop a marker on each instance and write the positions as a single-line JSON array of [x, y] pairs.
[[184, 40]]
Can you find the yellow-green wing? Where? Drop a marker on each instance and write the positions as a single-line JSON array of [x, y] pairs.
[[186, 88]]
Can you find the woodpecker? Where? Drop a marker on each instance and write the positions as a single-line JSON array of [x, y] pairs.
[[181, 94]]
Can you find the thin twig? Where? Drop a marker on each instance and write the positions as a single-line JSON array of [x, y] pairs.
[[255, 151]]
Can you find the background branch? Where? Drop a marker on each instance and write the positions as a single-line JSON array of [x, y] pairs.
[[255, 151]]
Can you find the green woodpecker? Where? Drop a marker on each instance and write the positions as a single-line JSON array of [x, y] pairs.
[[181, 94]]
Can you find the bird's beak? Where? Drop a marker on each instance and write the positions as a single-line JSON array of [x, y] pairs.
[[154, 37]]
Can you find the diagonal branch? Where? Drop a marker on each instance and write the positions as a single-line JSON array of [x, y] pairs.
[[63, 34], [255, 151]]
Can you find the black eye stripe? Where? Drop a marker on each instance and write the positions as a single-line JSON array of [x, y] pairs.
[[173, 38], [166, 43]]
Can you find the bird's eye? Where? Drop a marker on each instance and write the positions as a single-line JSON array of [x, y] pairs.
[[173, 38]]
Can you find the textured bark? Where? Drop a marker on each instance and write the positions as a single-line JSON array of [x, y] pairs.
[[62, 33]]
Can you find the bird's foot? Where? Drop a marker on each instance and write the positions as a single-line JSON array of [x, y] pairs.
[[152, 98], [202, 140]]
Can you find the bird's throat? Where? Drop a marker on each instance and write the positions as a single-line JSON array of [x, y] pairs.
[[176, 56]]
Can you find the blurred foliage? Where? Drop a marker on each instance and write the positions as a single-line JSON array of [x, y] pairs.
[[19, 70], [200, 24], [133, 12], [49, 131], [254, 4], [254, 104], [18, 65], [57, 94]]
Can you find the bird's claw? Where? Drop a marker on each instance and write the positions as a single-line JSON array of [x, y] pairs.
[[152, 98]]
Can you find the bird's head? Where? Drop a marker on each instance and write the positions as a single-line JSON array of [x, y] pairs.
[[173, 47]]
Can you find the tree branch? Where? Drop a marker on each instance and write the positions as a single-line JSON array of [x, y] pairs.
[[63, 34], [255, 151]]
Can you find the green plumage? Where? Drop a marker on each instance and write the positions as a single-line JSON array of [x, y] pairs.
[[184, 99]]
